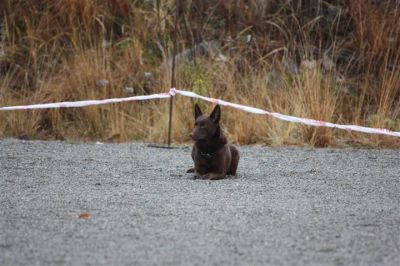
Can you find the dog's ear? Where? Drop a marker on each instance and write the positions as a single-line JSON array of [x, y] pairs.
[[197, 111], [216, 114]]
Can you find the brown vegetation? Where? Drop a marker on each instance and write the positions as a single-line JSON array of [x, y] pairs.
[[336, 61]]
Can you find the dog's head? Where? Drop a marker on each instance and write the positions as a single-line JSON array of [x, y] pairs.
[[205, 126]]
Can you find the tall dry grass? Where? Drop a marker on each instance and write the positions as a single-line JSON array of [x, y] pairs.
[[335, 61]]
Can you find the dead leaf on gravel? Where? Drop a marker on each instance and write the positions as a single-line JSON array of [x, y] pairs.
[[85, 215]]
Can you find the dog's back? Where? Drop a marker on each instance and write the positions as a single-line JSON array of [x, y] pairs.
[[213, 157]]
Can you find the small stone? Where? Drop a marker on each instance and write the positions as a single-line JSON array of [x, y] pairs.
[[221, 58], [327, 63], [102, 82], [248, 38], [129, 89], [309, 64]]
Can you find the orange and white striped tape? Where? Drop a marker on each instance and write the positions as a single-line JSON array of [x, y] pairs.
[[173, 91]]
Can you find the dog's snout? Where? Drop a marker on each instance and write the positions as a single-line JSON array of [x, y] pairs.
[[193, 135]]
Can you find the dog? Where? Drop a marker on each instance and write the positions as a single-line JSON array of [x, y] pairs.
[[213, 156]]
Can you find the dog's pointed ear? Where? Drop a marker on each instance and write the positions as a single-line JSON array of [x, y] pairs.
[[197, 111], [216, 114]]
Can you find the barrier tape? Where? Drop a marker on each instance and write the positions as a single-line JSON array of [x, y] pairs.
[[306, 121], [173, 91], [85, 103]]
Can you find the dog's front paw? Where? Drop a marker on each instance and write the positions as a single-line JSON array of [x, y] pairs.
[[196, 175], [214, 176], [191, 170], [205, 177]]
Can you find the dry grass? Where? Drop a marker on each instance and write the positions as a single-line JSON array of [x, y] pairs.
[[333, 62]]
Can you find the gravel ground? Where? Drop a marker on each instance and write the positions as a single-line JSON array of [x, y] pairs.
[[288, 206]]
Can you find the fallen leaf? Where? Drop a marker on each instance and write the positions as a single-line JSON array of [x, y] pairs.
[[85, 215]]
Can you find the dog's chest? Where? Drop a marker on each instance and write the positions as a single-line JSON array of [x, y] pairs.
[[204, 160], [205, 157]]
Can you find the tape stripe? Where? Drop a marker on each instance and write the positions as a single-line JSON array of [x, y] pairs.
[[306, 121], [85, 103], [173, 91]]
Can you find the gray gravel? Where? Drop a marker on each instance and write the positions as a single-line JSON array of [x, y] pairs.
[[288, 206]]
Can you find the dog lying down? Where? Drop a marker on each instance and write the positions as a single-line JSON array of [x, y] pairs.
[[213, 156]]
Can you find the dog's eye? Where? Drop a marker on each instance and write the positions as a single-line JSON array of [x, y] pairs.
[[203, 125]]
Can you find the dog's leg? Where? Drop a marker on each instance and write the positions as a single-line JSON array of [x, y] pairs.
[[191, 170], [234, 160]]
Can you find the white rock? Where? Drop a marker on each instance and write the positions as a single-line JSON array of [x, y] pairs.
[[102, 82], [309, 64], [129, 89], [327, 63]]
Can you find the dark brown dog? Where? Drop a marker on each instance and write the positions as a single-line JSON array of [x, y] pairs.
[[213, 157]]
